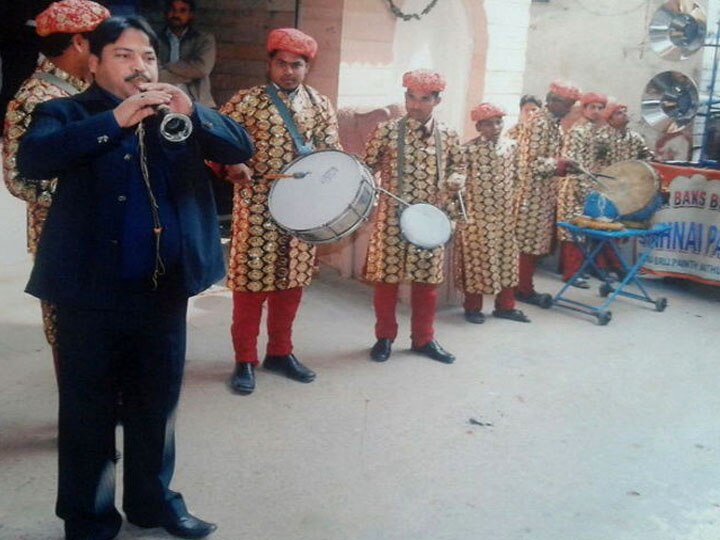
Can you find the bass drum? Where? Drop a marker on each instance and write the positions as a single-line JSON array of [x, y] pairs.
[[334, 196], [634, 191]]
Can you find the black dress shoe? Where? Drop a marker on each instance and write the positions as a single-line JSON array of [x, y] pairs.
[[580, 283], [476, 317], [183, 526], [188, 526], [243, 378], [433, 350], [290, 367], [511, 315], [381, 350], [542, 300]]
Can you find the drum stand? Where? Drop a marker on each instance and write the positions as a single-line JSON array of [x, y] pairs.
[[609, 289]]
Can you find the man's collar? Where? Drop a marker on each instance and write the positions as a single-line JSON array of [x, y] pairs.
[[170, 34]]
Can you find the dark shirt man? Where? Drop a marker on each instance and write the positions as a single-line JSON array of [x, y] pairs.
[[131, 234], [187, 55]]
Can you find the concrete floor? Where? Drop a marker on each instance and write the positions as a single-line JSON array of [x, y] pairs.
[[590, 432]]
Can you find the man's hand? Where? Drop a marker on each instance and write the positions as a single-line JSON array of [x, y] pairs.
[[139, 106], [566, 166], [179, 101], [238, 173], [455, 182]]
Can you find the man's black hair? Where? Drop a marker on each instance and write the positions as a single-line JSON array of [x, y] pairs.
[[109, 31], [191, 3], [529, 98], [56, 44]]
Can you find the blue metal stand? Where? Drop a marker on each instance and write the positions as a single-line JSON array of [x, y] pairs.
[[597, 240]]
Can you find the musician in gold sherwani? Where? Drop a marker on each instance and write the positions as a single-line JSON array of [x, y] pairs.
[[617, 142], [582, 146], [431, 160], [486, 250], [63, 72], [267, 264], [540, 166]]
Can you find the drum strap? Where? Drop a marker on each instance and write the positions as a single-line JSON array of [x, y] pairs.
[[303, 147], [401, 153], [62, 84]]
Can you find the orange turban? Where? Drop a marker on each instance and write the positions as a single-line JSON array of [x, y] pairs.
[[293, 41], [424, 81], [70, 17], [565, 90], [485, 111], [593, 97], [612, 108]]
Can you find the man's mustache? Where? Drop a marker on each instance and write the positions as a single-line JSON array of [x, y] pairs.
[[141, 76]]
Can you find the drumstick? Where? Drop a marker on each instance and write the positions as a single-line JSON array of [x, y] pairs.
[[462, 205], [386, 192], [279, 176]]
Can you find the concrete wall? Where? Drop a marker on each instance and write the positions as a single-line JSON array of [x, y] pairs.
[[602, 46]]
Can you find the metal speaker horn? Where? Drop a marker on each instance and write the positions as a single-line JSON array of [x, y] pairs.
[[678, 29], [670, 101]]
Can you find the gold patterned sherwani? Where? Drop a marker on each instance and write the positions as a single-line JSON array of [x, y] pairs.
[[582, 145], [621, 145], [486, 249], [539, 148], [37, 194], [390, 259], [262, 256]]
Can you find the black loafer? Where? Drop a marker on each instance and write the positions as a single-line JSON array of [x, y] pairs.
[[580, 283], [475, 317], [435, 351], [381, 350], [542, 300], [243, 378], [289, 366], [511, 315], [188, 526]]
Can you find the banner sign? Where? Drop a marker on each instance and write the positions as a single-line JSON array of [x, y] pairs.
[[691, 248]]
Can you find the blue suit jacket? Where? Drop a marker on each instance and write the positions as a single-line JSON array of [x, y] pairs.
[[78, 141]]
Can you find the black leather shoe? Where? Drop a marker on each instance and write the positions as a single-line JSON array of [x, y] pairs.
[[381, 350], [289, 366], [435, 351], [580, 283], [476, 317], [183, 526], [511, 315], [542, 300], [188, 526], [243, 378]]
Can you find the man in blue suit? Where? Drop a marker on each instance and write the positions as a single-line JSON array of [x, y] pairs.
[[132, 234]]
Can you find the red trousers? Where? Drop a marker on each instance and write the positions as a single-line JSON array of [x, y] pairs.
[[423, 303], [504, 301], [527, 269], [247, 313], [571, 259]]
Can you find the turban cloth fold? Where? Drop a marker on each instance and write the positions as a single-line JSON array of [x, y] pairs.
[[70, 17], [565, 90], [485, 111], [593, 97], [293, 41], [423, 81]]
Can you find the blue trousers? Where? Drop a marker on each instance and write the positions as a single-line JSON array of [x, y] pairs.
[[135, 358]]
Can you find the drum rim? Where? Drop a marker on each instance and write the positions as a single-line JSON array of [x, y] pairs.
[[645, 165]]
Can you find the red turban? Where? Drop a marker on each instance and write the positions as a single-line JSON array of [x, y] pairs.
[[70, 17], [485, 111], [612, 108], [424, 81], [565, 90], [593, 97], [293, 41]]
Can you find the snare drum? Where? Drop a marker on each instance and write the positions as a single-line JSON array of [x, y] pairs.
[[333, 198], [425, 226]]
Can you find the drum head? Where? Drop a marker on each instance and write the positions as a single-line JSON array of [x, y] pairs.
[[324, 193], [425, 225], [635, 186]]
